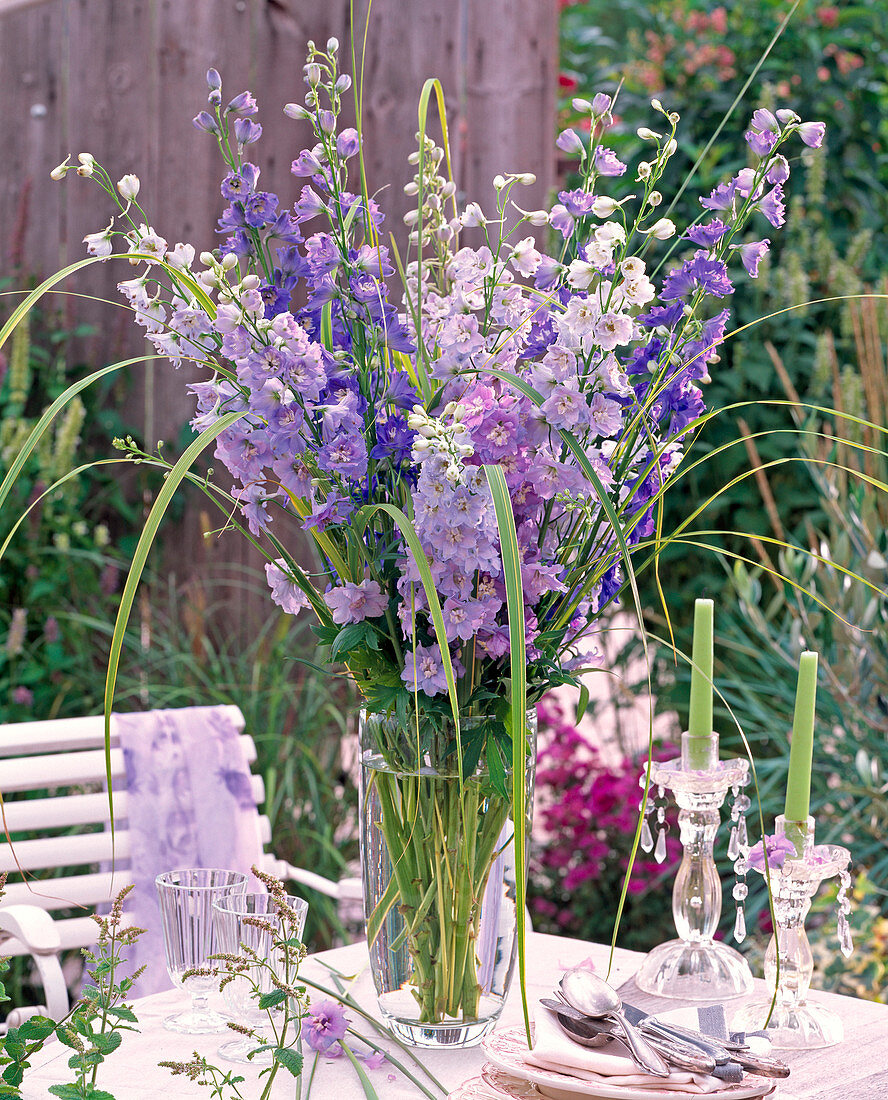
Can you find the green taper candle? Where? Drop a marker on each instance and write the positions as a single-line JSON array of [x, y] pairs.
[[801, 751], [700, 717]]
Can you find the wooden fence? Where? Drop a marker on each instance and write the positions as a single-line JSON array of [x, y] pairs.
[[123, 78]]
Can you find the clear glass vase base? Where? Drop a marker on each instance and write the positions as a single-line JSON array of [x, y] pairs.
[[792, 1027], [197, 1022], [448, 1034], [695, 971], [238, 1050]]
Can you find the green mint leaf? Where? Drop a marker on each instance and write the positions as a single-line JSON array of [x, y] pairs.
[[289, 1059], [275, 997]]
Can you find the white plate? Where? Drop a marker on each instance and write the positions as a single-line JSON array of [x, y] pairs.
[[506, 1050]]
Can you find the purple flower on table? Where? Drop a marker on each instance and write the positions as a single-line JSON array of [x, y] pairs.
[[775, 849], [751, 255], [325, 1024], [284, 590], [352, 603]]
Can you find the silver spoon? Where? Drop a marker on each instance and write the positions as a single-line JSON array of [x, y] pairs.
[[592, 996], [590, 1031]]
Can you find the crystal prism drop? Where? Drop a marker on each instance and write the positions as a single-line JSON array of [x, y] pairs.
[[646, 841], [742, 835], [846, 944], [740, 925], [660, 851], [734, 845]]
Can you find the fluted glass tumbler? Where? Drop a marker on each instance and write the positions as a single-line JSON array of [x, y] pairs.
[[189, 938], [238, 933]]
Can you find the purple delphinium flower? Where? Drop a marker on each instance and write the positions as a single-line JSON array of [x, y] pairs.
[[751, 254], [325, 1024], [707, 235], [607, 163], [776, 849], [577, 202], [721, 197], [284, 591], [348, 143], [812, 133], [352, 603], [246, 132], [570, 142], [773, 207], [424, 670]]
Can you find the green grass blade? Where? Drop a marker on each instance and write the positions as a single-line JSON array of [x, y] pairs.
[[511, 559], [46, 419], [146, 539]]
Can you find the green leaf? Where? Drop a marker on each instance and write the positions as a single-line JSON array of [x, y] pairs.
[[106, 1041], [582, 702], [269, 1000], [14, 1074], [67, 1092], [37, 1028], [290, 1059], [121, 1012], [349, 637]]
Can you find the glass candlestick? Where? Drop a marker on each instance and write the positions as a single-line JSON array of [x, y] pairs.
[[695, 966], [796, 1023]]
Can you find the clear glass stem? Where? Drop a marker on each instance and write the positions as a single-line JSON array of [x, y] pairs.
[[697, 895], [792, 900]]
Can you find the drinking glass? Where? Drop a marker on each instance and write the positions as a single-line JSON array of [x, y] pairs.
[[234, 935], [186, 911]]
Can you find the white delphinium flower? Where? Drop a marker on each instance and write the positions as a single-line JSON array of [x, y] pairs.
[[182, 256], [128, 187], [525, 257], [472, 216], [145, 240], [99, 244]]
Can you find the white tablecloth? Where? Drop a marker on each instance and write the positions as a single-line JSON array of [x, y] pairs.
[[855, 1070]]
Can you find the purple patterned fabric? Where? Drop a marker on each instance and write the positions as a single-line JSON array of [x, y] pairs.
[[190, 804]]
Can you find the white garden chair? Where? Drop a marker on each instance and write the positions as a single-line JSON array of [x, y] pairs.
[[60, 758]]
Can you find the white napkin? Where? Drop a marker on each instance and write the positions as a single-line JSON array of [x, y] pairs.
[[553, 1050]]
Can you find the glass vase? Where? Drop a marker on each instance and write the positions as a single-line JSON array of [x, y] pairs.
[[439, 875]]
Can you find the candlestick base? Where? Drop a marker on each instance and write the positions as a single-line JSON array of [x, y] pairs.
[[796, 1024], [695, 971], [792, 1027], [695, 967]]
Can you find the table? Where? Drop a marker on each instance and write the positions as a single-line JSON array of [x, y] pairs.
[[855, 1070]]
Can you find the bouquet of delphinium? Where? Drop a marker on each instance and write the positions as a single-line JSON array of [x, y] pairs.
[[478, 456]]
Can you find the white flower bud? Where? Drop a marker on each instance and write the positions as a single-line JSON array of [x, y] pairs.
[[128, 186], [662, 229], [670, 147], [473, 216], [297, 111], [658, 106], [85, 169], [499, 182], [674, 117], [644, 170], [421, 446], [538, 217], [583, 106], [59, 171], [208, 259], [343, 83], [604, 206], [250, 282], [646, 134], [332, 45], [443, 233], [413, 158], [229, 261], [411, 188], [313, 72], [526, 179], [655, 198], [411, 217], [86, 159]]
